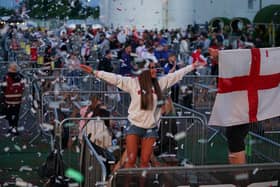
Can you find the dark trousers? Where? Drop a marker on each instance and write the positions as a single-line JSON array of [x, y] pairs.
[[13, 115], [175, 93]]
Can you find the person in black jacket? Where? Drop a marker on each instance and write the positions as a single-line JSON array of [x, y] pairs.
[[13, 94], [105, 63]]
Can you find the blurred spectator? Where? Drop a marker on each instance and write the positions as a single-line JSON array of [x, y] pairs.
[[13, 94]]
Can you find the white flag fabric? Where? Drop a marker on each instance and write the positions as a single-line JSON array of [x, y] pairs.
[[248, 86]]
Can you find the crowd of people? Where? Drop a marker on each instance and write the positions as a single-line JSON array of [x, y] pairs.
[[150, 62]]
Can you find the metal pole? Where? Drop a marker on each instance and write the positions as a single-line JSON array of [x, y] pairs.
[[260, 4]]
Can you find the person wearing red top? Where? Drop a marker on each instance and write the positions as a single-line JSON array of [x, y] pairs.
[[214, 60], [13, 93], [197, 57]]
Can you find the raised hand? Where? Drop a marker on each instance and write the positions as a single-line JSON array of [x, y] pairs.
[[86, 68]]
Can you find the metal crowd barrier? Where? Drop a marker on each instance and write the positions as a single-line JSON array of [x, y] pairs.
[[250, 175], [178, 145]]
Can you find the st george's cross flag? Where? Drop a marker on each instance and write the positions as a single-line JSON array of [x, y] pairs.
[[248, 86]]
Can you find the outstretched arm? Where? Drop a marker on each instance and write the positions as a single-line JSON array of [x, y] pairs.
[[117, 80], [172, 78]]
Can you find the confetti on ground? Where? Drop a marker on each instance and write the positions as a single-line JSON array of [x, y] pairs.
[[90, 168], [179, 136], [24, 147], [39, 154], [23, 184], [73, 185], [25, 168], [6, 149], [17, 147], [75, 175]]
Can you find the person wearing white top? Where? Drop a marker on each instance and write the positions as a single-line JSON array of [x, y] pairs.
[[144, 110]]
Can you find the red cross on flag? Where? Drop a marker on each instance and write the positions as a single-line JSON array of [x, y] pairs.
[[249, 86]]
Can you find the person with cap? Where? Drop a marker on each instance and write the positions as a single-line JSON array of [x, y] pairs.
[[145, 107], [13, 94]]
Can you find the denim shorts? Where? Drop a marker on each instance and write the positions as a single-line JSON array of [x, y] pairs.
[[141, 132]]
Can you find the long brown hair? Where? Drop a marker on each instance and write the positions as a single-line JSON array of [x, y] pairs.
[[147, 83]]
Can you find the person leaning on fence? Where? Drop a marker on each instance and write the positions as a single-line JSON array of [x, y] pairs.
[[145, 107], [98, 131], [13, 94]]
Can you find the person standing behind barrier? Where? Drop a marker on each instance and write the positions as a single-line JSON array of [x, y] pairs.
[[126, 59], [145, 107], [105, 64], [170, 67], [85, 51], [13, 94], [235, 134]]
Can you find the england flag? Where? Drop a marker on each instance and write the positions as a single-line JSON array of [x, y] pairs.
[[248, 87]]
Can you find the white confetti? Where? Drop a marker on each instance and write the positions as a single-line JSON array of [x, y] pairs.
[[207, 113], [241, 176], [212, 144], [182, 146], [144, 173], [47, 126], [25, 168], [35, 103], [6, 149], [24, 147], [39, 154], [202, 141], [168, 134], [23, 184], [33, 110], [30, 97], [255, 171], [77, 149], [90, 168], [179, 136], [118, 134], [73, 185], [17, 147], [20, 129]]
